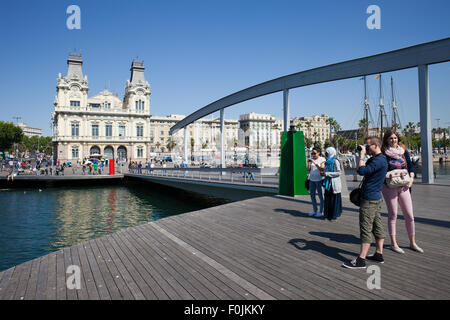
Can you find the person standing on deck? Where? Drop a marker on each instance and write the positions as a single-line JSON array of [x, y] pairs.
[[331, 170], [374, 172], [315, 181], [398, 157]]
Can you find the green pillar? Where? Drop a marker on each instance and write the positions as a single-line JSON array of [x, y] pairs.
[[293, 173]]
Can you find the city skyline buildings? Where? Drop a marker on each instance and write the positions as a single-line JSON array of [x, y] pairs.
[[193, 57]]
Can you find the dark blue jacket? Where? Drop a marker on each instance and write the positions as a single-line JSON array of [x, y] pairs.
[[374, 173]]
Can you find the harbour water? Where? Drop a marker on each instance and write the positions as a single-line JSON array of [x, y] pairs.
[[442, 170], [34, 223]]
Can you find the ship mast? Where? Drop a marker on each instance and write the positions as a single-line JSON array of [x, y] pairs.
[[381, 107], [366, 109], [394, 108]]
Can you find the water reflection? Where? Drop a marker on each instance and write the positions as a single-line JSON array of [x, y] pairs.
[[34, 223]]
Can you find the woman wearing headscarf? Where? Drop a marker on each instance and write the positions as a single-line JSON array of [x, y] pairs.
[[331, 170]]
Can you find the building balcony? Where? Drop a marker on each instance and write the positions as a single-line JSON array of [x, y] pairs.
[[102, 111], [101, 139]]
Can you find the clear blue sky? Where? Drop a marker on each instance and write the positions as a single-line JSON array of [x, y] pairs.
[[198, 51]]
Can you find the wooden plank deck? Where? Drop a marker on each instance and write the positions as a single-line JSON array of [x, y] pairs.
[[262, 248]]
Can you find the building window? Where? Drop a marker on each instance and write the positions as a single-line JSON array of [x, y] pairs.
[[108, 130], [75, 129], [95, 105], [121, 131], [95, 130], [140, 131], [107, 105], [139, 105], [74, 103], [140, 152], [75, 153]]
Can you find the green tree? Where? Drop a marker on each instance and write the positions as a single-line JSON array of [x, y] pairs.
[[192, 148], [334, 127], [315, 135], [308, 125], [308, 142], [409, 129], [9, 135], [170, 144]]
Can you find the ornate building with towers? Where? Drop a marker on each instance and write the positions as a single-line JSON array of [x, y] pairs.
[[102, 125]]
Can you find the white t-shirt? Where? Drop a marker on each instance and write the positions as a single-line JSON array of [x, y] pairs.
[[314, 174]]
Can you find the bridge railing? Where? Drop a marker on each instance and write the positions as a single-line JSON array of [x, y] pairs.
[[267, 176]]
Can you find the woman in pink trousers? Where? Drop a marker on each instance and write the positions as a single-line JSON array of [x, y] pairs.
[[398, 158]]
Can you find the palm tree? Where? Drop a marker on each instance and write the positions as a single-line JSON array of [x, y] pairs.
[[330, 121], [315, 135], [410, 128], [308, 127], [192, 148], [308, 142], [334, 126], [171, 144]]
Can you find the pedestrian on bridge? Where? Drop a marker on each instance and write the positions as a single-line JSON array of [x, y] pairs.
[[331, 169], [374, 172], [315, 181], [398, 158]]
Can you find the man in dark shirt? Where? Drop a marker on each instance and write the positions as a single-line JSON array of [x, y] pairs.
[[374, 172]]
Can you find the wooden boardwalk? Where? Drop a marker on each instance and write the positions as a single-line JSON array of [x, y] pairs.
[[262, 248]]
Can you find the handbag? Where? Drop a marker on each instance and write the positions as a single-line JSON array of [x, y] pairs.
[[355, 195], [397, 178], [307, 184]]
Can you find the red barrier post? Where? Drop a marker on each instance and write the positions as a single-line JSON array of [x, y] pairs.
[[111, 167]]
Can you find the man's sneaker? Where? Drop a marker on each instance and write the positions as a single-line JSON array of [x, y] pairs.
[[358, 263], [319, 214], [312, 214], [377, 257]]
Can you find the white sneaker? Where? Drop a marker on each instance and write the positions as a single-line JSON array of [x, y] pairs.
[[398, 250], [319, 214], [312, 214]]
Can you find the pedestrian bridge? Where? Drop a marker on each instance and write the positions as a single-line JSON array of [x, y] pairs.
[[419, 56]]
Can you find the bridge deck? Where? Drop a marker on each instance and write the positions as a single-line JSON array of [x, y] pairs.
[[261, 248]]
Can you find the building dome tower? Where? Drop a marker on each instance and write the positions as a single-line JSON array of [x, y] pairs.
[[137, 90], [72, 90]]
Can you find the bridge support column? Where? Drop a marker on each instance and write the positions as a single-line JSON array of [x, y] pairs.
[[286, 109], [222, 139], [185, 145], [425, 126]]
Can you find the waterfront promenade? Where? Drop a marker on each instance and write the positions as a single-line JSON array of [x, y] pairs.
[[260, 248]]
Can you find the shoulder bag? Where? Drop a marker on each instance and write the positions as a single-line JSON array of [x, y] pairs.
[[398, 177], [355, 195]]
